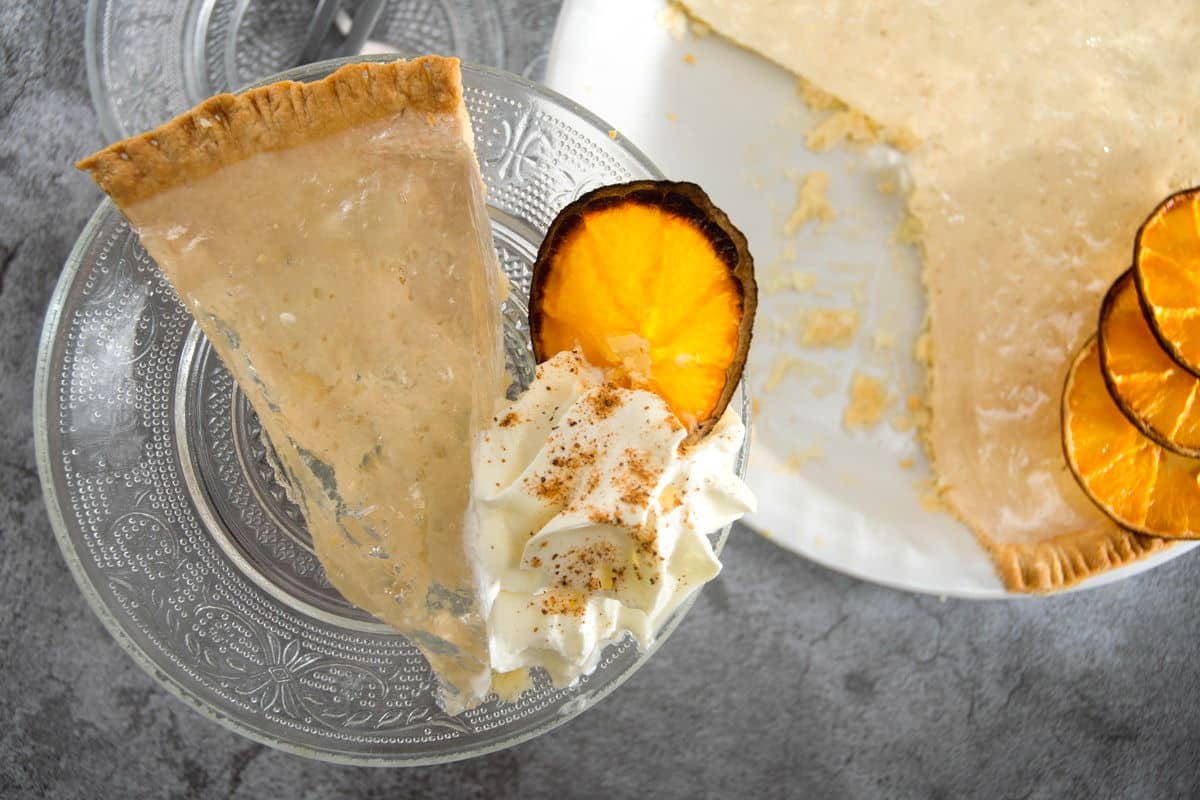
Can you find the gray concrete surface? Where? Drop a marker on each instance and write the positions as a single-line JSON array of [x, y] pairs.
[[786, 680]]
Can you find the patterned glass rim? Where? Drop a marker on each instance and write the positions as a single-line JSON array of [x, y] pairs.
[[95, 23], [42, 381]]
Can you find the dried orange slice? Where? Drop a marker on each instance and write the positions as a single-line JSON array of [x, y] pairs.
[[1156, 394], [1141, 485], [1166, 264], [655, 284]]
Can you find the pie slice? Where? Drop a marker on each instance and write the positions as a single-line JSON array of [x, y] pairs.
[[1044, 138], [332, 242]]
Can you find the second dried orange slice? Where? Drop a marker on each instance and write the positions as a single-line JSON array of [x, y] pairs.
[[1156, 394], [1166, 265], [1141, 485]]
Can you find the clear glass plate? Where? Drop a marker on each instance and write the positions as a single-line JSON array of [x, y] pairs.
[[168, 508]]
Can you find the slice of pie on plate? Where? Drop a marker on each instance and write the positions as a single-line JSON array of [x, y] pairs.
[[1044, 137], [332, 242]]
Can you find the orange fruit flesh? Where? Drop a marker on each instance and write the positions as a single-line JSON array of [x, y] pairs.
[[1138, 483], [1150, 387], [644, 293], [1167, 263]]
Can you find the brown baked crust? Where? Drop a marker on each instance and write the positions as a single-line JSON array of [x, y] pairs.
[[229, 128], [1055, 564]]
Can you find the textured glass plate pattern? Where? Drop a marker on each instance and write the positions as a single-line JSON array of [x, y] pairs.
[[171, 515], [149, 60]]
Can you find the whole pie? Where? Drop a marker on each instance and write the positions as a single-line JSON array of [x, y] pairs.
[[332, 242], [1040, 136]]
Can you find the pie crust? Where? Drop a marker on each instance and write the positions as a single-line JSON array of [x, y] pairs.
[[229, 128]]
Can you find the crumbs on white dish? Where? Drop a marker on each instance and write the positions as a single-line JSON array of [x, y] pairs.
[[830, 327], [812, 203], [868, 398], [590, 517]]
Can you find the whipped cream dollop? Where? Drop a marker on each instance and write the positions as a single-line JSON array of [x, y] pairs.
[[589, 517]]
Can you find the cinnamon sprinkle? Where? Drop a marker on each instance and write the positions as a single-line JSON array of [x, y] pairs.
[[588, 567], [555, 485], [635, 480], [605, 401]]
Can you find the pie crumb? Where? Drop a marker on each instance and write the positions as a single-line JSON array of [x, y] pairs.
[[816, 98], [812, 203], [916, 415], [612, 134], [868, 398], [674, 20], [929, 495], [845, 125], [688, 58], [906, 463], [830, 327]]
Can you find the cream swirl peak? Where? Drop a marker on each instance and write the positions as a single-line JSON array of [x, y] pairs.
[[590, 517]]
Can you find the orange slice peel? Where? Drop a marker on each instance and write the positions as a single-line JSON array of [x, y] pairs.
[[1137, 482], [1166, 267], [656, 286], [1155, 393]]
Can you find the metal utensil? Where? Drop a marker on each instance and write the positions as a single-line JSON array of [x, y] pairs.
[[354, 29], [364, 21], [318, 29]]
